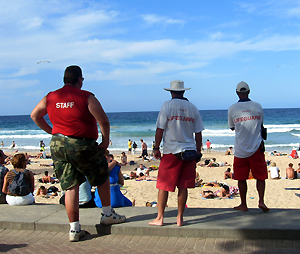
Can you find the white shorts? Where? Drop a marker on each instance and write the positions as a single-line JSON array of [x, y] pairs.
[[20, 200]]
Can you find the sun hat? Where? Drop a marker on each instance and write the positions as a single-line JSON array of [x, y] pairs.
[[177, 85], [242, 87]]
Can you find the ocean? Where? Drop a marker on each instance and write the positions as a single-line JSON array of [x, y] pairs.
[[283, 127]]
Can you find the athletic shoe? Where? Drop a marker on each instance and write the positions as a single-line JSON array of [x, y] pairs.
[[75, 235], [114, 218]]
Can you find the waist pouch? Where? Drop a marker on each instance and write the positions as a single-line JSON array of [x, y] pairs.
[[189, 155]]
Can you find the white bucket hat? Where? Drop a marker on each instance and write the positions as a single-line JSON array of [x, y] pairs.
[[177, 85]]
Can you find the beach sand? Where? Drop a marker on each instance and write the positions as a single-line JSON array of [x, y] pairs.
[[276, 196]]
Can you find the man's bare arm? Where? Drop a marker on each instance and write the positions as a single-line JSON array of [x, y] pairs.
[[38, 113], [198, 139], [158, 138], [97, 111]]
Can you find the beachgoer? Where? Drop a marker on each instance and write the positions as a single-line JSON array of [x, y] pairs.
[[229, 151], [86, 196], [298, 171], [13, 145], [246, 118], [43, 192], [144, 150], [2, 144], [129, 146], [19, 163], [3, 172], [228, 174], [223, 193], [48, 179], [123, 158], [142, 169], [294, 154], [274, 171], [134, 146], [74, 114], [290, 172], [177, 122], [198, 181], [208, 146], [42, 144], [116, 179]]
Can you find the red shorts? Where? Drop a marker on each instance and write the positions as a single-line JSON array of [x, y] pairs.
[[175, 172], [257, 164]]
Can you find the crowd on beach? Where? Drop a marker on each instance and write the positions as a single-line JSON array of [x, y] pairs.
[[80, 162]]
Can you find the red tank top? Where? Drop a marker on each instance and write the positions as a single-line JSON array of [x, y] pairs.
[[68, 111]]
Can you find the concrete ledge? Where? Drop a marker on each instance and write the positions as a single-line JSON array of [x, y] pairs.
[[200, 222]]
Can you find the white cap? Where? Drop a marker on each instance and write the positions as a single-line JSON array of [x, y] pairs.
[[242, 87]]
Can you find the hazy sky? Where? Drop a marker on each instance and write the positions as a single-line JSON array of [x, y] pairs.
[[130, 50]]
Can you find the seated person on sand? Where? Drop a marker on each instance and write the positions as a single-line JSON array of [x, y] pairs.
[[198, 181], [290, 172], [19, 196], [123, 159], [116, 180], [43, 192], [274, 171], [223, 193], [229, 151], [228, 174], [86, 196], [41, 155], [48, 179], [298, 171]]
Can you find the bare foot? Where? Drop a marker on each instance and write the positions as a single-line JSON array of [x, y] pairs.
[[264, 208], [241, 207], [133, 202], [180, 222], [156, 222]]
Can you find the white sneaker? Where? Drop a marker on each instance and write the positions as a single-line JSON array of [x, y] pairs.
[[114, 218], [74, 236]]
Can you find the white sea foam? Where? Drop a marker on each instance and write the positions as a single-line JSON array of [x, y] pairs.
[[280, 128], [31, 136], [218, 133]]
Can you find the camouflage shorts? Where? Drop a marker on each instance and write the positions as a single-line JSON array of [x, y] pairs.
[[74, 159]]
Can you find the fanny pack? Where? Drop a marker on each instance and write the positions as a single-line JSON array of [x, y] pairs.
[[189, 155], [264, 132]]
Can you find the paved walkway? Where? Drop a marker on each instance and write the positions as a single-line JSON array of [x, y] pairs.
[[25, 229], [25, 241]]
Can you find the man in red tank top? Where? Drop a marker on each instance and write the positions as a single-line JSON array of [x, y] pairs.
[[77, 157]]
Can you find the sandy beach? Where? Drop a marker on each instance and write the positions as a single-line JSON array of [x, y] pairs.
[[276, 195]]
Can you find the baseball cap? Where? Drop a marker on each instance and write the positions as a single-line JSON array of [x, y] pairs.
[[242, 87]]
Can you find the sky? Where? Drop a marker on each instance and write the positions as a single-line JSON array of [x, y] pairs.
[[130, 50]]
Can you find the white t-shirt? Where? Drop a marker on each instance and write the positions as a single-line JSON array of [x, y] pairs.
[[246, 117], [179, 119], [274, 171]]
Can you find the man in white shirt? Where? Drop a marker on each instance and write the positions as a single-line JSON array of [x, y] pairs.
[[177, 122], [246, 118]]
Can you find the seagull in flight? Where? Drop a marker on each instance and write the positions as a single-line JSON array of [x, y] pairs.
[[43, 62]]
